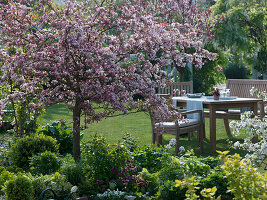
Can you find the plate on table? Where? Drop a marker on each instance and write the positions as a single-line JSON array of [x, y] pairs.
[[227, 98], [222, 98], [196, 95]]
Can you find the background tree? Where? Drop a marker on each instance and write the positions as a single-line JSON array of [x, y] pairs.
[[243, 31], [211, 73], [81, 54]]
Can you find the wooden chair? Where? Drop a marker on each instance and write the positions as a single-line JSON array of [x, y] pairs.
[[176, 88], [240, 88], [178, 127], [153, 118], [182, 128]]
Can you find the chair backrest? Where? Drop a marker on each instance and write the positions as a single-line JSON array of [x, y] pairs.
[[241, 87], [179, 86], [166, 96]]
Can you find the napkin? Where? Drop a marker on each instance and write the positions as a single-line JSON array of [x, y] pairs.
[[194, 105]]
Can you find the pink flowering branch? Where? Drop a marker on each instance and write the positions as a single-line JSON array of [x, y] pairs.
[[97, 52]]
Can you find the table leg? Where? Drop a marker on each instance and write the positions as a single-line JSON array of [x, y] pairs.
[[255, 110], [212, 109], [262, 110], [226, 125], [204, 130]]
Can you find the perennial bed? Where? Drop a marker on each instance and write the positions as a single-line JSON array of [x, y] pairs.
[[126, 171]]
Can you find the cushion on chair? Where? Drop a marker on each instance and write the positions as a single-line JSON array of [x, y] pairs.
[[232, 111], [188, 122]]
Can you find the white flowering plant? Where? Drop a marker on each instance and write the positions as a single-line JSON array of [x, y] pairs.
[[172, 144], [254, 128], [112, 194]]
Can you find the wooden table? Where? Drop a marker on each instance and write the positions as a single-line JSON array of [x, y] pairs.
[[212, 105]]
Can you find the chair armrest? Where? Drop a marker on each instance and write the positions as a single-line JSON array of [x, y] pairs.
[[191, 112], [180, 110], [194, 111]]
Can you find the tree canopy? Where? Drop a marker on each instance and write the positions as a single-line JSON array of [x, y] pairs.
[[243, 30], [82, 53]]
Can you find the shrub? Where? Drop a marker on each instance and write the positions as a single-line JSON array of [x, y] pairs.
[[175, 168], [102, 163], [45, 163], [72, 170], [95, 154], [235, 71], [62, 133], [118, 156], [190, 183], [57, 182], [218, 179], [168, 191], [1, 169], [19, 188], [130, 142], [4, 176], [172, 170], [101, 159], [150, 157], [244, 180], [14, 169], [213, 162], [127, 178], [153, 181], [196, 167], [26, 147]]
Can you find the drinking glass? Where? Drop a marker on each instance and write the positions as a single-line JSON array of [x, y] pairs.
[[224, 94], [227, 92]]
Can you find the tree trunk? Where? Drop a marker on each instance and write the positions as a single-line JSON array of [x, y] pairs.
[[181, 76], [180, 70], [181, 73], [21, 118], [76, 130], [152, 120]]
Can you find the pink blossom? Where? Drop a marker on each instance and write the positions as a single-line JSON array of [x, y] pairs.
[[81, 54], [219, 68]]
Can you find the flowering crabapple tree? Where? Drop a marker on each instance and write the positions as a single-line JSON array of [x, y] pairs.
[[191, 27], [82, 53], [21, 97]]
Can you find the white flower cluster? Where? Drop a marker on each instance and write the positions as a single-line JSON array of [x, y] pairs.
[[172, 144], [258, 93], [112, 194], [254, 127]]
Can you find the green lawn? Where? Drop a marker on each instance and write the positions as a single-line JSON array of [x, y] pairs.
[[138, 125]]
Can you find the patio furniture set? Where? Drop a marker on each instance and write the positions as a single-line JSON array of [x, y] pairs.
[[223, 108]]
